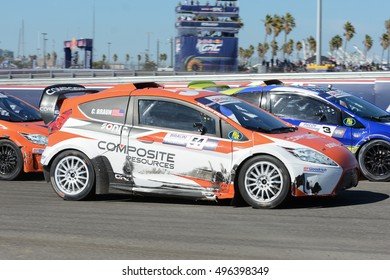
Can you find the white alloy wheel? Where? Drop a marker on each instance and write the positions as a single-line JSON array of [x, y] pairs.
[[264, 182], [72, 175]]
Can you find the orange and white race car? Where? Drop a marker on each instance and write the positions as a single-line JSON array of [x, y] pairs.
[[196, 144], [23, 137]]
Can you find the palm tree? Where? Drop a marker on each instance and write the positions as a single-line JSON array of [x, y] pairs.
[[268, 27], [104, 61], [262, 50], [241, 54], [288, 23], [384, 44], [163, 57], [349, 31], [298, 47], [55, 56], [274, 49], [335, 43], [277, 27], [139, 57], [368, 42], [387, 26], [249, 52], [288, 47], [127, 59], [245, 55], [312, 45]]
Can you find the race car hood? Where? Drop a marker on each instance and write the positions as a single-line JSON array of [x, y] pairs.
[[33, 128], [330, 147]]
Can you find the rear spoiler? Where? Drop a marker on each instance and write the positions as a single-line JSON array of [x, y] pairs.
[[273, 82], [54, 95]]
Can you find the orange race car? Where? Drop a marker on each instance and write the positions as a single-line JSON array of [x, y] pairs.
[[148, 140], [23, 137]]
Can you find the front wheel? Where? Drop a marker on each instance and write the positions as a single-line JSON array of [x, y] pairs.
[[374, 160], [72, 176], [264, 182], [11, 160]]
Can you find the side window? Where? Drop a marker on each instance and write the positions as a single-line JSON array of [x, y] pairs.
[[172, 115], [299, 107], [111, 109], [251, 97]]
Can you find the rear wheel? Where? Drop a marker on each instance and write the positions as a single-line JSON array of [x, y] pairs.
[[11, 160], [72, 175], [374, 160], [264, 182]]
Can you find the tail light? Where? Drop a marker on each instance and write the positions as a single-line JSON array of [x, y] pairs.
[[59, 121]]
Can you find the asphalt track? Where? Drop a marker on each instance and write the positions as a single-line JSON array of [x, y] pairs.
[[35, 224]]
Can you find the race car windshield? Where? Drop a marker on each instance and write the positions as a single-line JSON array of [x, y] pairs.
[[246, 115], [361, 107], [14, 110]]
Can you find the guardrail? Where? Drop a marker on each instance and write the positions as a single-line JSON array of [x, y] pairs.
[[31, 77]]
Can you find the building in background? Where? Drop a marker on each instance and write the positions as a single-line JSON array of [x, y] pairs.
[[207, 36], [73, 57]]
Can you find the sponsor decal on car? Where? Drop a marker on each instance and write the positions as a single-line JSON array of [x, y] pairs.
[[349, 121], [141, 155], [339, 132], [330, 130], [108, 112], [315, 170], [190, 141], [111, 127], [235, 135], [53, 90]]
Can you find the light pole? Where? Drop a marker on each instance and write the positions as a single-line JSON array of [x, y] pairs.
[[148, 49], [44, 49], [319, 19], [109, 48], [158, 53], [171, 43]]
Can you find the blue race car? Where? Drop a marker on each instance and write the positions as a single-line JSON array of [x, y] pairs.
[[361, 126]]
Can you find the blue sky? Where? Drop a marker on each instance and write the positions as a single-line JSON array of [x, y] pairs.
[[132, 26]]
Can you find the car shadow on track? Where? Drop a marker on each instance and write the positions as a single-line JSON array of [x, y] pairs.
[[346, 198], [33, 176]]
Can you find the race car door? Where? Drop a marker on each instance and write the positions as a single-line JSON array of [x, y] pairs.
[[175, 148], [311, 113]]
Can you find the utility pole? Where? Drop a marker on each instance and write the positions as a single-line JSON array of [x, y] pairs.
[[171, 42], [158, 53], [109, 50], [44, 50], [319, 19], [148, 49]]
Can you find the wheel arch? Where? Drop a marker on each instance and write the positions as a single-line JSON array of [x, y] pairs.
[[368, 140], [365, 172], [100, 165], [237, 170], [20, 165]]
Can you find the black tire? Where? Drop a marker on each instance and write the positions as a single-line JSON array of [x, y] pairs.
[[72, 176], [11, 160], [264, 182], [374, 160]]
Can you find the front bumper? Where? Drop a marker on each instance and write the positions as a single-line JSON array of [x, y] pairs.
[[349, 180], [32, 159]]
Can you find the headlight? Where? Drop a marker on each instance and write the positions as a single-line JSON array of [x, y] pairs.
[[311, 156], [35, 138]]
